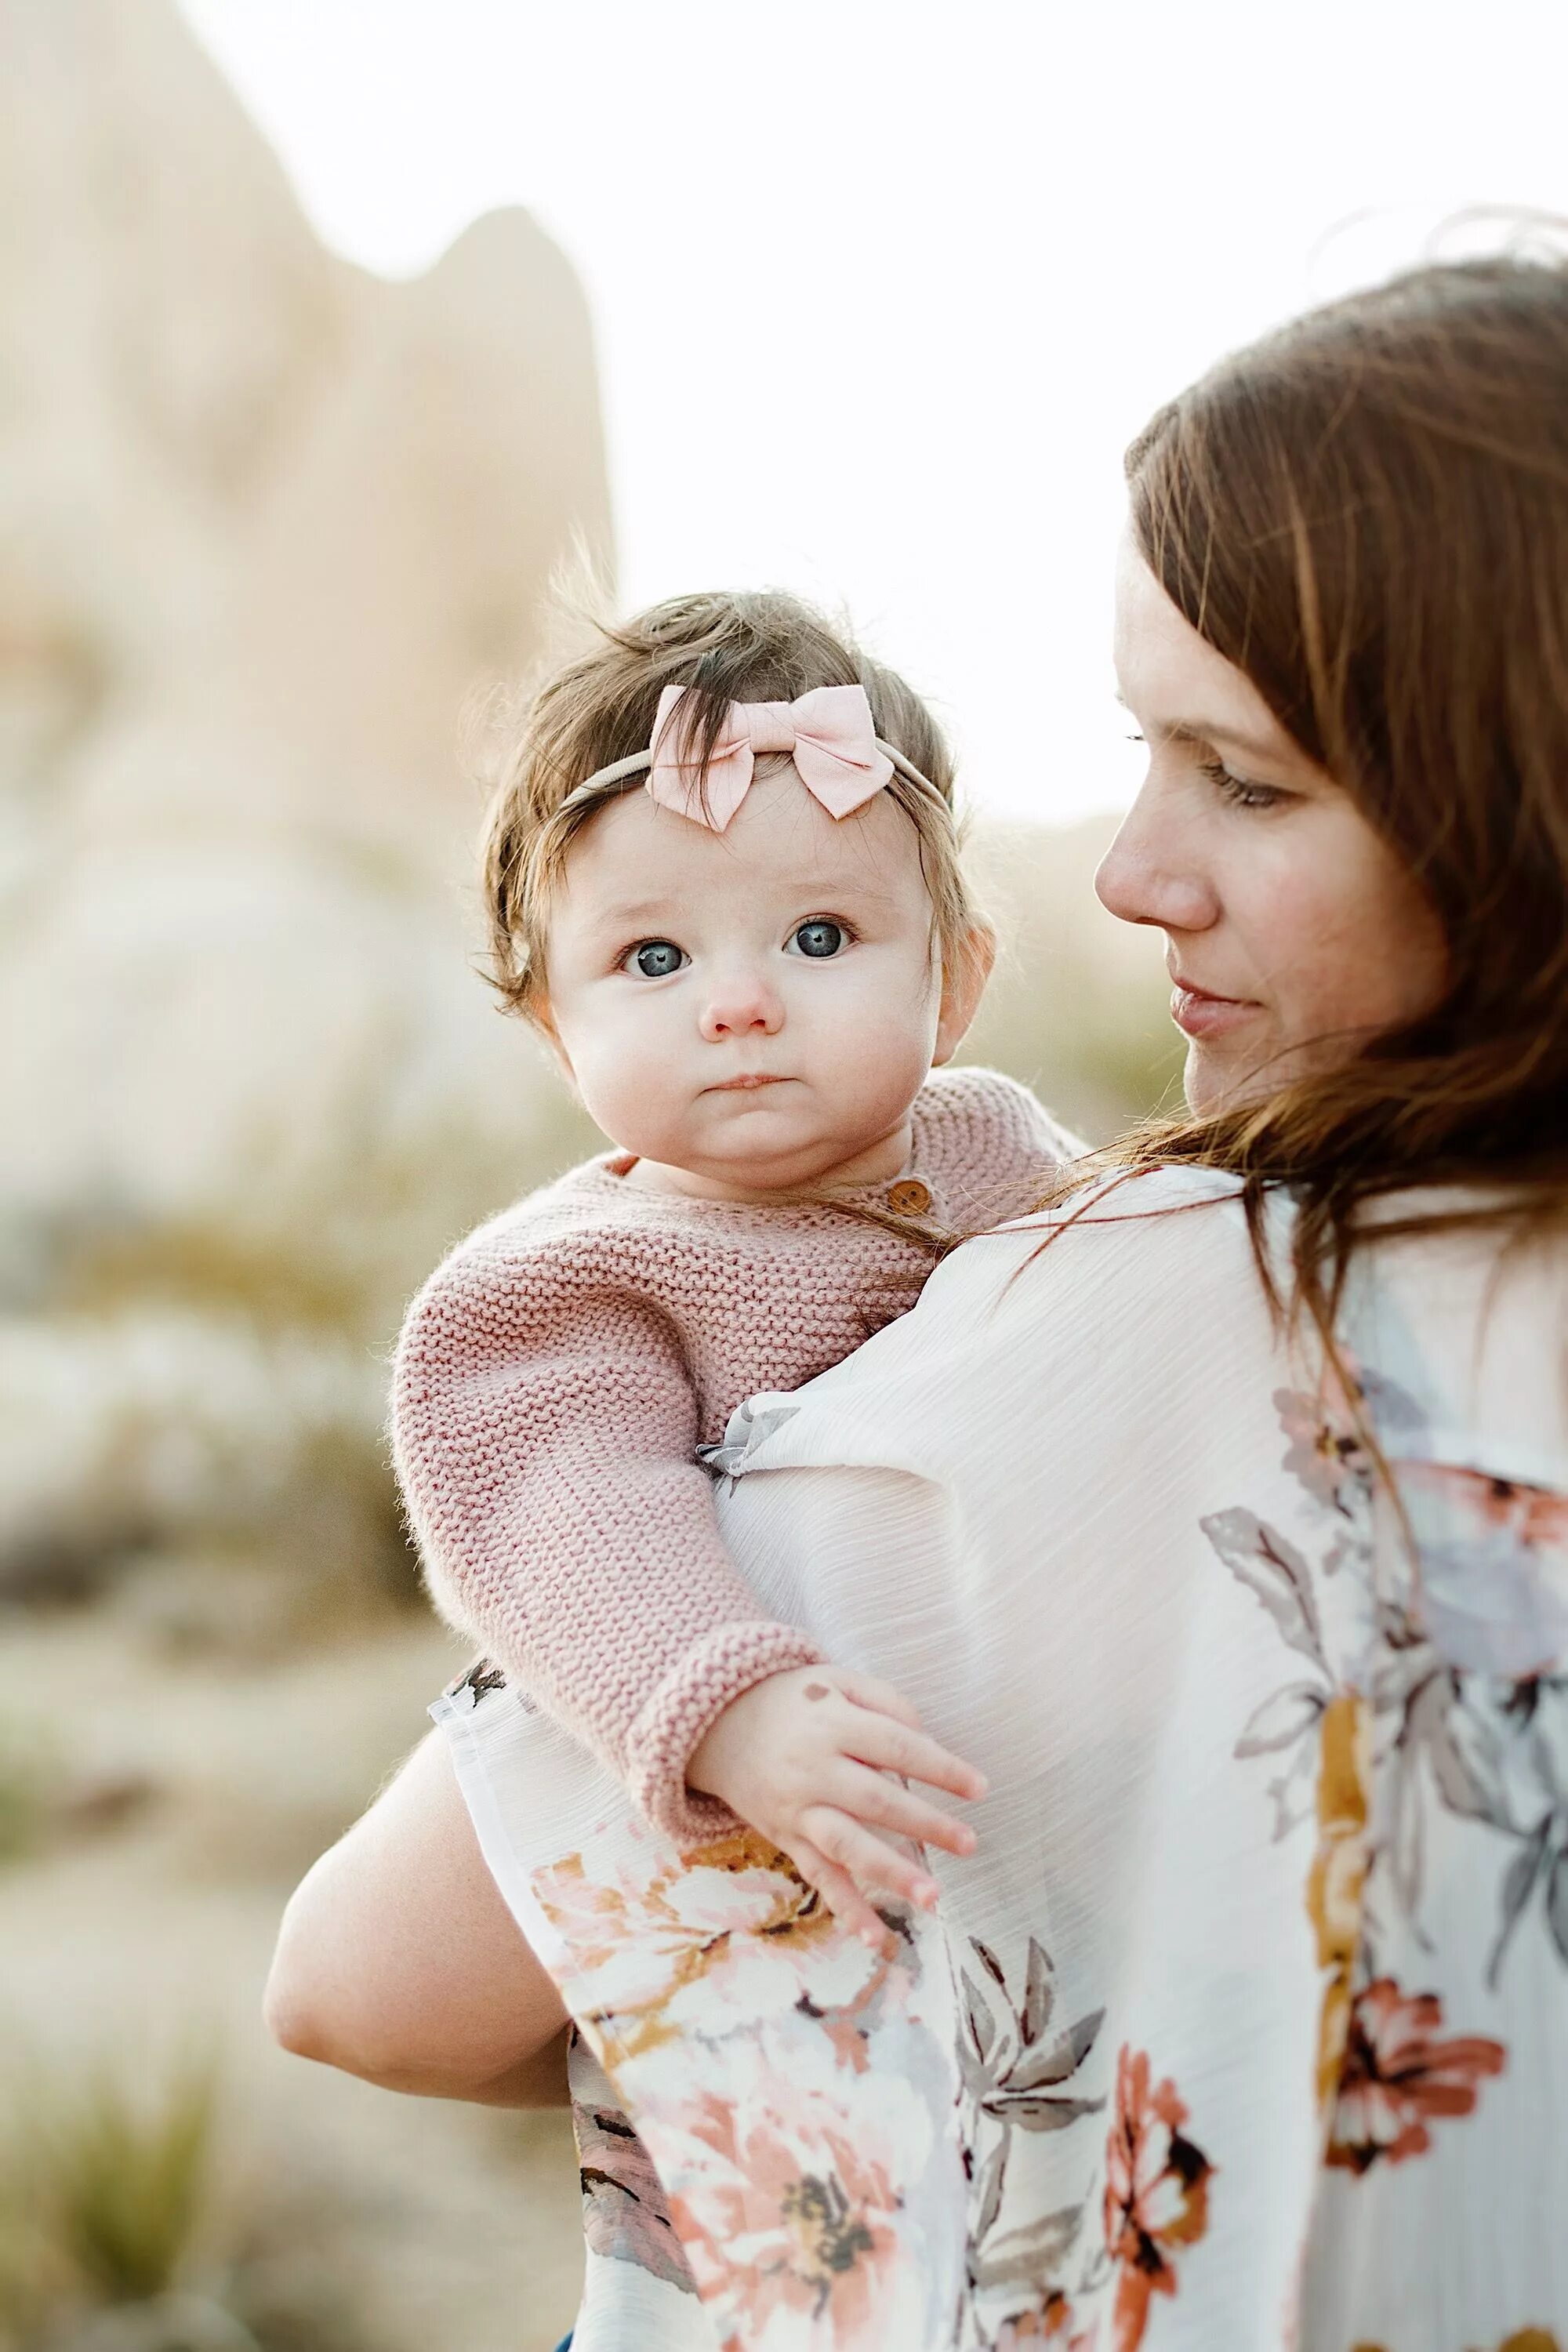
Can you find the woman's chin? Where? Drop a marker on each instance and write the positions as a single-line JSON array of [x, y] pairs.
[[1201, 1082], [1215, 1081]]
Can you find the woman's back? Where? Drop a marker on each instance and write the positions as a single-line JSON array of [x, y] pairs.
[[1254, 1997]]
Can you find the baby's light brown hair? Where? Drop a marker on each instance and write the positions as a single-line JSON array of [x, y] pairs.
[[754, 646]]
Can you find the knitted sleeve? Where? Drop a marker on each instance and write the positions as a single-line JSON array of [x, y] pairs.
[[544, 1429]]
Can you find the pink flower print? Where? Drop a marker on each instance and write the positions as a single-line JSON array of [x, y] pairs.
[[1327, 1450], [1156, 2194], [786, 2192], [1398, 2077]]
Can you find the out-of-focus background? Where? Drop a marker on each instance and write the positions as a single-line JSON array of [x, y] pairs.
[[328, 332]]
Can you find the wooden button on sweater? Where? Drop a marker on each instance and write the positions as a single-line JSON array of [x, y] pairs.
[[908, 1197]]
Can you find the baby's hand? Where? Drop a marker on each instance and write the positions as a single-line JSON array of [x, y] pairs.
[[805, 1757]]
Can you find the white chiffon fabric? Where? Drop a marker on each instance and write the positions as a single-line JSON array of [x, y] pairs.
[[1246, 2024]]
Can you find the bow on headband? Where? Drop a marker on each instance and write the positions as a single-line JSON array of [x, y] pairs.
[[829, 734]]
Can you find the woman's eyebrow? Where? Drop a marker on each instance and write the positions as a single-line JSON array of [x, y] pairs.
[[1209, 731], [1212, 732]]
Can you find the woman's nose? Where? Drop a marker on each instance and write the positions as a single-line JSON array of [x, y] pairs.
[[739, 1005], [1152, 873]]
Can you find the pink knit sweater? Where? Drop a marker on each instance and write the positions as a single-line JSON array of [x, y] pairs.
[[557, 1373]]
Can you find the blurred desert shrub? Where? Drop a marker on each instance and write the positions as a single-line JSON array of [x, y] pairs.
[[104, 2192], [28, 1780], [126, 2180], [132, 2221]]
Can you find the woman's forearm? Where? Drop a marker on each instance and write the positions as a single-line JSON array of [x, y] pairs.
[[398, 1961]]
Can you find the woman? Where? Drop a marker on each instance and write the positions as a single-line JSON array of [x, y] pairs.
[[1220, 1515]]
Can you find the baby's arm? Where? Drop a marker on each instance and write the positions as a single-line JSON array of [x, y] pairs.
[[545, 1429], [545, 1425]]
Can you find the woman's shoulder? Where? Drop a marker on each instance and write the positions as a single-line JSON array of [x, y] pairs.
[[1457, 1336], [1115, 1308], [1163, 1230]]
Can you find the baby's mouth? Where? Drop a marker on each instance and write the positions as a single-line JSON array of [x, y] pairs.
[[748, 1079]]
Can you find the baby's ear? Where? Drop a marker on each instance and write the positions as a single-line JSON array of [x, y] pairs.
[[966, 969]]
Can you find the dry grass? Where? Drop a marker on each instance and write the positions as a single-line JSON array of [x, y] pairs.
[[129, 2173], [25, 1778], [120, 2231]]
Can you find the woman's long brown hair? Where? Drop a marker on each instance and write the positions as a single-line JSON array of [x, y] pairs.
[[1367, 513]]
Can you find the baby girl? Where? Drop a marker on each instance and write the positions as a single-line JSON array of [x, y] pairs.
[[724, 884]]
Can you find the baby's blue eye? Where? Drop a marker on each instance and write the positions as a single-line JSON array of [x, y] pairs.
[[820, 937], [657, 958]]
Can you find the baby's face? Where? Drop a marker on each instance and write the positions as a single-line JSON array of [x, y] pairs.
[[754, 1010]]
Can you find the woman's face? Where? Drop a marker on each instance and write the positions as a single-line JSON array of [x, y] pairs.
[[1293, 933]]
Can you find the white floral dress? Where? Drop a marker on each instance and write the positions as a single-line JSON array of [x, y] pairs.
[[1247, 2025]]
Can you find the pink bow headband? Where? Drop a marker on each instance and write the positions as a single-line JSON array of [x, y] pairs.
[[828, 733]]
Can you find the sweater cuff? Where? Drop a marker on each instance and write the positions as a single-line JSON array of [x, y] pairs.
[[686, 1704]]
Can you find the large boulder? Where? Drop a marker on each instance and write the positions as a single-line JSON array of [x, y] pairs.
[[264, 524]]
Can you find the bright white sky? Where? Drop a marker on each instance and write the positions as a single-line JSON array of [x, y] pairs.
[[881, 287]]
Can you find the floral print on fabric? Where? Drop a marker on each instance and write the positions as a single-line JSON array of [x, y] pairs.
[[1019, 2076], [1431, 1688], [625, 2214], [1398, 2077], [1454, 1635], [1523, 2340], [794, 2202], [797, 2094], [1156, 2194], [792, 2087], [626, 2217], [731, 1918], [1494, 1568], [1065, 2275], [1338, 1874]]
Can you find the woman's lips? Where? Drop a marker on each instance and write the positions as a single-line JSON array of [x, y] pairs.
[[1198, 1014]]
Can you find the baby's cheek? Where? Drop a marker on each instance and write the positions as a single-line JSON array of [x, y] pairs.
[[629, 1093], [881, 1059]]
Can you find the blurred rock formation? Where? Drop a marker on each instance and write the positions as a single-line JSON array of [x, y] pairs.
[[265, 523]]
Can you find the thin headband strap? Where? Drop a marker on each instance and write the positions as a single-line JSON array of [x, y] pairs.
[[626, 773]]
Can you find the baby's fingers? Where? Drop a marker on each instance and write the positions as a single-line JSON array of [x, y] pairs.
[[884, 1804], [882, 1698], [839, 1892], [870, 1861], [889, 1747]]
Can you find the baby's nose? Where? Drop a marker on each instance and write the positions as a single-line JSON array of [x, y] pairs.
[[741, 1005]]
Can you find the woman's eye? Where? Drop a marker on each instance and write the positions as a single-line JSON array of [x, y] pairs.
[[656, 958], [820, 937], [1237, 790]]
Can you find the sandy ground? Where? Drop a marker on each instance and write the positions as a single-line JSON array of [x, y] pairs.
[[125, 1935]]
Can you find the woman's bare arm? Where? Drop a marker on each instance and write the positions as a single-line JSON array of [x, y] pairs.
[[398, 1961]]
